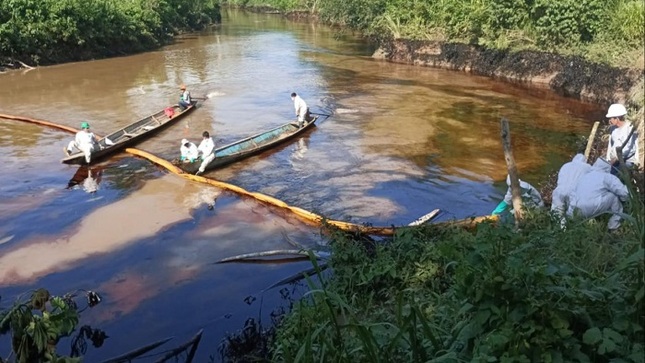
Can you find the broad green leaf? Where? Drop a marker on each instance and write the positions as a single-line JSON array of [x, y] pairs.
[[592, 336]]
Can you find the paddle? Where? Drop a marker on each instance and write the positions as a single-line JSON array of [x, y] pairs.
[[320, 114]]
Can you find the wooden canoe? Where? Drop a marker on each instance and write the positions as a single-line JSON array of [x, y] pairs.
[[250, 146], [130, 135]]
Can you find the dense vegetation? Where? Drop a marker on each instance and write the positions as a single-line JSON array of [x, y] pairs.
[[38, 322], [604, 30], [49, 31], [537, 294]]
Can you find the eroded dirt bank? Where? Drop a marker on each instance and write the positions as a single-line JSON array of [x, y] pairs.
[[568, 76]]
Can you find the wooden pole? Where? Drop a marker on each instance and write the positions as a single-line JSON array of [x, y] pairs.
[[592, 137], [512, 170]]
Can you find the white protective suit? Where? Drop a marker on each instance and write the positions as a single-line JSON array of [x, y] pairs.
[[568, 177], [598, 191], [618, 137], [301, 109], [190, 152], [530, 196], [84, 141], [207, 148]]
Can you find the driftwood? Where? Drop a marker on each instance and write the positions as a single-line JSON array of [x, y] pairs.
[[299, 253], [592, 137], [292, 242], [25, 65], [192, 343], [299, 276], [512, 170], [127, 357], [426, 218]]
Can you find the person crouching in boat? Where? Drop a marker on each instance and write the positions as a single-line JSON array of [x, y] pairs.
[[207, 150], [302, 111], [184, 98], [84, 141], [189, 152]]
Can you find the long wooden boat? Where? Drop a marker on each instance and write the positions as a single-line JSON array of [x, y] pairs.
[[131, 134], [250, 146]]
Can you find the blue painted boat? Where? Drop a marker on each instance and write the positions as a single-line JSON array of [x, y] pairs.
[[250, 146]]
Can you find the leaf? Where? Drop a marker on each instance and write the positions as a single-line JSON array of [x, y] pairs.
[[620, 324], [607, 346], [613, 335], [592, 336]]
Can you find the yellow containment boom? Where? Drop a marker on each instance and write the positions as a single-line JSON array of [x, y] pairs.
[[304, 215]]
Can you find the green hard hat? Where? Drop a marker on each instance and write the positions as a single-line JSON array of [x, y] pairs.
[[85, 125]]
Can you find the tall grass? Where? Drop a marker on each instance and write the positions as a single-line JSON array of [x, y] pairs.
[[535, 294]]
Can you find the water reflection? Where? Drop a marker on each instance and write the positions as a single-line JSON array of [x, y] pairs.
[[87, 177]]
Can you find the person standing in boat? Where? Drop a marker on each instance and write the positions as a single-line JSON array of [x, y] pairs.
[[207, 149], [189, 151], [302, 111], [184, 99], [84, 141]]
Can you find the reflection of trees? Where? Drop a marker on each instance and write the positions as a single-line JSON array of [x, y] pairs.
[[79, 343], [252, 343], [186, 351]]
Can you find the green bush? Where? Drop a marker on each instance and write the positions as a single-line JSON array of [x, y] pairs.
[[499, 294], [47, 31]]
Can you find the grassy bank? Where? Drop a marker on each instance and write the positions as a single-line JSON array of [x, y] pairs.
[[54, 31], [604, 31], [498, 294]]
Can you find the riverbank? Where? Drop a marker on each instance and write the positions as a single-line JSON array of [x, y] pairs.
[[58, 31], [569, 76], [604, 69]]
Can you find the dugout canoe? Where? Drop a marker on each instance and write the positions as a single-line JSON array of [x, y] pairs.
[[131, 134], [250, 146]]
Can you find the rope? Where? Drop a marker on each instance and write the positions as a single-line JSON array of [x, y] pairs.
[[304, 215]]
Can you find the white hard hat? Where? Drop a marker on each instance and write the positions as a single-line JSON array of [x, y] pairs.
[[184, 141], [616, 110]]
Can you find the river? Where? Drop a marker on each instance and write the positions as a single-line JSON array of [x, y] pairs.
[[401, 141]]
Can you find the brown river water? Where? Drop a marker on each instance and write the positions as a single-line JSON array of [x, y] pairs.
[[401, 141]]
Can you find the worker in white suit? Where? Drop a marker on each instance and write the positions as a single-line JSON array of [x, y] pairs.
[[302, 111], [568, 178], [530, 197], [207, 149], [84, 141], [189, 151], [621, 135], [599, 191]]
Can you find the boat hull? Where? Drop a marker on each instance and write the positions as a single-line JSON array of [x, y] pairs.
[[250, 146], [130, 135]]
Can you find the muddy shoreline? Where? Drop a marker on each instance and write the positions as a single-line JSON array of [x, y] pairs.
[[568, 76]]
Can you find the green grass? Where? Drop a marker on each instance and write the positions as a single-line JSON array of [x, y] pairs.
[[535, 294]]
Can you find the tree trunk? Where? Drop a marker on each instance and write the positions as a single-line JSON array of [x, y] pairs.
[[512, 171]]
